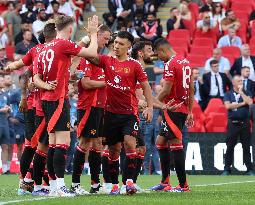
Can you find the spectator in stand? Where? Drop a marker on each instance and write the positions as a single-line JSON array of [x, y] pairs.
[[3, 59], [231, 39], [224, 64], [175, 20], [158, 70], [206, 23], [27, 11], [110, 21], [121, 9], [13, 20], [38, 25], [237, 102], [206, 7], [248, 85], [4, 126], [151, 30], [230, 21], [24, 46], [138, 22], [245, 60], [218, 13], [25, 26], [198, 88], [131, 29], [215, 83], [252, 18], [39, 4], [185, 11], [64, 8], [55, 10], [141, 7], [3, 33]]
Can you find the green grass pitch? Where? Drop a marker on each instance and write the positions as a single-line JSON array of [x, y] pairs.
[[226, 190]]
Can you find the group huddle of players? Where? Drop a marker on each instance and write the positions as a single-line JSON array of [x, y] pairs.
[[112, 90]]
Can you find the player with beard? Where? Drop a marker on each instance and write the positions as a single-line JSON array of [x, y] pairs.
[[121, 121], [53, 76], [177, 86], [90, 109]]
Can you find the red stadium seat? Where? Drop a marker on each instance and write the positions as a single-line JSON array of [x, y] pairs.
[[252, 50], [210, 34], [181, 51], [231, 50], [9, 52], [200, 50], [176, 42], [207, 42], [196, 60], [213, 106], [230, 58], [241, 6], [253, 29], [217, 123], [179, 33], [242, 15]]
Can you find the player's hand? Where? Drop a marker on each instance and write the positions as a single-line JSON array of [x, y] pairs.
[[189, 121], [6, 109], [23, 105], [31, 87], [51, 85], [14, 121], [93, 24], [148, 114], [9, 68]]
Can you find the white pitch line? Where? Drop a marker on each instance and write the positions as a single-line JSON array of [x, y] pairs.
[[197, 185], [220, 184]]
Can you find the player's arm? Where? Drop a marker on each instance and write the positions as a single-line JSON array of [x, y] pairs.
[[15, 65], [91, 50], [39, 83], [87, 83], [167, 86], [75, 63], [147, 92], [232, 106], [191, 94]]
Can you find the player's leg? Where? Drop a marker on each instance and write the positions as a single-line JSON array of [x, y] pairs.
[[107, 184], [78, 165], [95, 164]]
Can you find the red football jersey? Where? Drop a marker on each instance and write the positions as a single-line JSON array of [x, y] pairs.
[[53, 64], [121, 79], [28, 61], [91, 97], [178, 70]]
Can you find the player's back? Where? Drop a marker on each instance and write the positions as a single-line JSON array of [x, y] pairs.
[[177, 70]]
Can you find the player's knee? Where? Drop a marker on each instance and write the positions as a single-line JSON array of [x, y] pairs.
[[97, 144], [43, 148], [130, 143], [114, 151], [142, 150], [176, 144]]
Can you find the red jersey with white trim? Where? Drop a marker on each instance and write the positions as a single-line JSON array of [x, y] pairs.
[[91, 97], [53, 64], [28, 61], [121, 79], [178, 71]]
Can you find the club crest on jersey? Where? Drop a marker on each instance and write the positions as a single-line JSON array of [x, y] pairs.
[[117, 79], [126, 70], [93, 132]]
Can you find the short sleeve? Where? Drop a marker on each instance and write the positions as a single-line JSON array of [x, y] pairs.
[[169, 71], [227, 97], [70, 48], [140, 74], [28, 59], [103, 59], [37, 68]]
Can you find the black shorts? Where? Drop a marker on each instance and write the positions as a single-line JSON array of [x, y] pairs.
[[178, 119], [91, 128], [116, 126], [63, 123], [44, 138], [29, 116], [140, 139]]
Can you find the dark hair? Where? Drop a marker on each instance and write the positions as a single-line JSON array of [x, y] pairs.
[[152, 13], [126, 35], [54, 2], [138, 47], [49, 31], [171, 10], [160, 42], [112, 39], [214, 6], [212, 62], [104, 28], [245, 67], [63, 21]]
